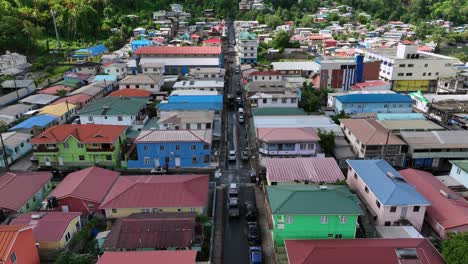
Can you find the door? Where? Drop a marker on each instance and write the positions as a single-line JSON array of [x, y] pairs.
[[156, 163], [60, 160], [65, 208], [177, 162], [403, 212], [47, 160]]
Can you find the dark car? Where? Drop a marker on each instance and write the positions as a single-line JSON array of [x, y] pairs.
[[255, 255], [250, 212], [253, 235], [253, 176]]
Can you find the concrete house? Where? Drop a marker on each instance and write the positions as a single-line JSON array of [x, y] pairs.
[[176, 120], [52, 230], [459, 171], [373, 103], [294, 219], [391, 200], [153, 67], [247, 45], [149, 82], [16, 146], [162, 194], [117, 69], [167, 149]]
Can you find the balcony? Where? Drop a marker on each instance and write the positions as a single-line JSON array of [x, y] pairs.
[[45, 149], [140, 120], [111, 149]]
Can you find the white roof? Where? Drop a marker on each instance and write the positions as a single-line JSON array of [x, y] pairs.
[[443, 97], [314, 121], [184, 61], [194, 92], [199, 84], [295, 65]]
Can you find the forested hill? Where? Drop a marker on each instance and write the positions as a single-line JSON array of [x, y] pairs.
[[24, 24], [385, 10]]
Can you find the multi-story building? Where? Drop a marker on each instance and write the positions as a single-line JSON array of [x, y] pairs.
[[207, 73], [202, 85], [167, 149], [370, 140], [389, 198], [247, 46], [409, 69], [117, 69], [287, 99], [147, 81], [80, 146], [153, 67]]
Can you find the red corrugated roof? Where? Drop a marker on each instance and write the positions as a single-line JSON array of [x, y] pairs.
[[54, 89], [149, 257], [295, 135], [374, 83], [85, 133], [260, 73], [314, 170], [91, 184], [152, 230], [8, 235], [407, 42], [187, 50], [316, 37], [49, 227], [17, 188], [362, 251], [130, 93], [448, 212], [158, 191], [73, 99]]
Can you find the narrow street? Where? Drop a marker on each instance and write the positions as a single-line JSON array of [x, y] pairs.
[[235, 243]]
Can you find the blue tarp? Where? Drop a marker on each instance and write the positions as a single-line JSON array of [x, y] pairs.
[[35, 121]]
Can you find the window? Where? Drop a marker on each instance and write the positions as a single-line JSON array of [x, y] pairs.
[[161, 148], [193, 147], [400, 74], [392, 209], [206, 146], [343, 219], [108, 157], [13, 257], [206, 159], [264, 101], [324, 219], [424, 74], [377, 203], [192, 210], [114, 211], [355, 176], [458, 171], [366, 189], [429, 74], [330, 235], [119, 118], [410, 74], [145, 148], [177, 147], [66, 145], [385, 106], [284, 101], [402, 65], [90, 118], [293, 100], [166, 159], [194, 159], [388, 223], [152, 85], [410, 65], [274, 100], [425, 65], [67, 236], [187, 126], [199, 126], [81, 157], [80, 145], [416, 208], [146, 210], [289, 219], [137, 86], [147, 160], [338, 236], [437, 74]]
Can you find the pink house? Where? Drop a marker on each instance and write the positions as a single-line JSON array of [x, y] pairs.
[[448, 211], [390, 199]]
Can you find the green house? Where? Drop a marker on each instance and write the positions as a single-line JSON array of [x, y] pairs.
[[312, 212], [74, 146]]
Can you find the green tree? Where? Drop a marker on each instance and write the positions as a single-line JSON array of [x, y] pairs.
[[327, 142], [273, 21], [454, 248], [307, 21], [72, 258], [281, 40], [341, 115]]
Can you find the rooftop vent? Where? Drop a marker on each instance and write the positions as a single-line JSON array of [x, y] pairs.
[[407, 253]]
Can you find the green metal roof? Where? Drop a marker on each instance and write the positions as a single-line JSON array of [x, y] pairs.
[[278, 111], [115, 106], [70, 83], [420, 96], [462, 164], [310, 199], [247, 36]]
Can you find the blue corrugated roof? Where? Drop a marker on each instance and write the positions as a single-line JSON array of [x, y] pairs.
[[400, 116], [190, 106], [94, 50], [141, 42], [109, 78], [374, 98], [389, 190], [195, 99], [35, 121]]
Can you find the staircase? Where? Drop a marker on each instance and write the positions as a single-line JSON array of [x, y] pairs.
[[281, 256]]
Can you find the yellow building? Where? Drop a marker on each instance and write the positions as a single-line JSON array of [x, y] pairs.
[[411, 86], [151, 194], [52, 230], [61, 110]]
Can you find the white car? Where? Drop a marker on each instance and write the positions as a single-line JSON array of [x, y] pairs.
[[232, 155]]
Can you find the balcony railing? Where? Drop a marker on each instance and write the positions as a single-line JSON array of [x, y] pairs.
[[110, 149], [45, 149]]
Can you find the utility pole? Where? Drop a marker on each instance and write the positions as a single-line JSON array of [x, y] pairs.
[[53, 13]]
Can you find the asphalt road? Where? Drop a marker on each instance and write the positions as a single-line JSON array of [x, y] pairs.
[[235, 244]]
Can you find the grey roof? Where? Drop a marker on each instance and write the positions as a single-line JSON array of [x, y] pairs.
[[296, 65], [13, 139], [410, 125], [91, 90], [14, 110], [436, 139], [181, 117], [40, 99], [14, 96], [142, 79], [17, 83], [152, 64]]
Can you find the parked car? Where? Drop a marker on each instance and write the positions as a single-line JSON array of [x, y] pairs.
[[252, 233], [233, 190], [239, 101], [233, 207], [232, 155], [245, 155], [237, 71], [255, 255], [253, 176], [250, 212]]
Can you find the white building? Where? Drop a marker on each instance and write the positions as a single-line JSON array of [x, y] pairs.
[[175, 120], [214, 73], [117, 69], [149, 82], [459, 171], [202, 85], [247, 47], [265, 76], [332, 96], [12, 63], [409, 69], [153, 67], [287, 99]]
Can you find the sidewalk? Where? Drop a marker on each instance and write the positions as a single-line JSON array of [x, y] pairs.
[[267, 242], [219, 226]]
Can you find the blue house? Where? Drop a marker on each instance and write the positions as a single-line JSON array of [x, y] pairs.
[[192, 102], [373, 103], [88, 54], [139, 43], [36, 124], [168, 149]]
